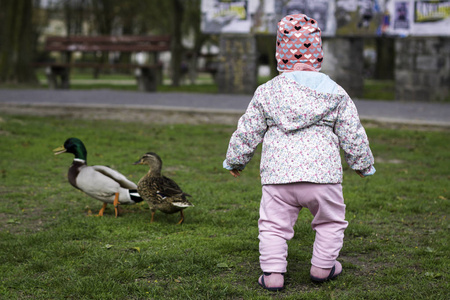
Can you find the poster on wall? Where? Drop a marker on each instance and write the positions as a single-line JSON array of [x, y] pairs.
[[419, 18], [320, 10], [222, 16], [359, 17], [335, 17], [347, 17], [262, 16], [401, 19], [431, 11]]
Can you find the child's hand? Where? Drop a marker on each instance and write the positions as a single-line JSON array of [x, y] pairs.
[[359, 173], [366, 172], [235, 173]]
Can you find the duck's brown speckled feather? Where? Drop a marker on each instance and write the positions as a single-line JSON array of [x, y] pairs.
[[162, 193]]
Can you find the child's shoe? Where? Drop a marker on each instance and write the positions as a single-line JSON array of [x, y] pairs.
[[321, 275], [272, 281]]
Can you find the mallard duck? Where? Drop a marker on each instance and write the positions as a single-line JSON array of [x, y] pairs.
[[99, 182], [161, 193]]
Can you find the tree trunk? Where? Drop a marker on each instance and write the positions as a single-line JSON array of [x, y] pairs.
[[127, 29], [177, 47], [385, 64], [105, 16], [16, 39]]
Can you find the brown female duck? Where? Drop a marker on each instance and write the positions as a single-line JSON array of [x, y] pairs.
[[161, 193]]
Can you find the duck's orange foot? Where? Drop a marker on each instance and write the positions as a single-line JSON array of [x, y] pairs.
[[116, 204], [102, 210], [182, 218]]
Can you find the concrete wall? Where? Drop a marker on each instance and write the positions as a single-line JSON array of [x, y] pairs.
[[422, 66], [343, 61], [422, 69]]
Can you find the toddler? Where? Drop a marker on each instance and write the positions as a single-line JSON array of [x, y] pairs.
[[303, 118]]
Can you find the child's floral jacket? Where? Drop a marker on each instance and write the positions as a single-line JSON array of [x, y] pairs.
[[303, 119]]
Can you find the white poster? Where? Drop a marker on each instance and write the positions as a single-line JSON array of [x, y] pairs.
[[222, 16], [319, 10], [401, 16]]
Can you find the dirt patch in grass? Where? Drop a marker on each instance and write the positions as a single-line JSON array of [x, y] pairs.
[[400, 126], [140, 115], [30, 221]]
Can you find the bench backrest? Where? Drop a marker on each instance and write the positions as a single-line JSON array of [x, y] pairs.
[[108, 43]]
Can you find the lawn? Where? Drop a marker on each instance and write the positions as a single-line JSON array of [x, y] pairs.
[[51, 247], [373, 89]]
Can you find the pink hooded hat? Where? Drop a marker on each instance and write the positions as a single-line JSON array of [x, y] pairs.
[[299, 44]]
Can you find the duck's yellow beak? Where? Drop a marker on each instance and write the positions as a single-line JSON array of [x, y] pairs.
[[139, 162], [59, 150]]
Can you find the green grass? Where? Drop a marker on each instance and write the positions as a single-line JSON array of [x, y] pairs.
[[379, 89], [83, 80], [396, 245], [373, 89]]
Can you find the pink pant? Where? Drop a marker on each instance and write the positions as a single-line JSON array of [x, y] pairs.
[[280, 206]]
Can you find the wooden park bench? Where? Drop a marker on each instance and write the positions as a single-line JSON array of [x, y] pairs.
[[148, 75]]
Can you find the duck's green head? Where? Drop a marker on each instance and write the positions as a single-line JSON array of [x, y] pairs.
[[152, 160], [74, 146]]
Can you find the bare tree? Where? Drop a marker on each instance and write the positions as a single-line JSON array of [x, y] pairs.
[[186, 21], [177, 46], [166, 17], [16, 40], [192, 27]]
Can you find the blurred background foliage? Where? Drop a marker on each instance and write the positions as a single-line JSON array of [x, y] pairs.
[[24, 23]]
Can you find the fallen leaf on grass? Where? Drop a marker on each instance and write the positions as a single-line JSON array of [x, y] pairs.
[[433, 275], [138, 249], [225, 265]]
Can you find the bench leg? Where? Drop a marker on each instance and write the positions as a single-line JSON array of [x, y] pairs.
[[147, 79], [51, 79], [57, 77], [65, 83]]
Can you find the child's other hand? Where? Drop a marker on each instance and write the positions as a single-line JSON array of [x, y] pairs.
[[366, 172], [235, 173], [359, 173]]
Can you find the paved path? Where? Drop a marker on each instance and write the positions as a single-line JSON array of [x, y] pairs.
[[382, 111]]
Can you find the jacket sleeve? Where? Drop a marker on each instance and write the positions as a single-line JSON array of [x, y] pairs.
[[352, 137], [249, 133]]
